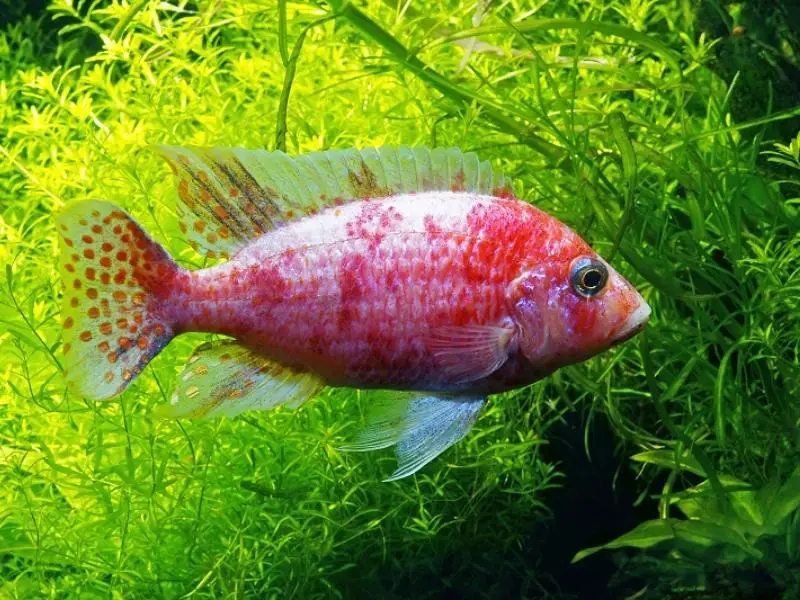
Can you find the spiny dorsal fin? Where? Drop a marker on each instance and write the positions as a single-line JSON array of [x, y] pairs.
[[232, 195]]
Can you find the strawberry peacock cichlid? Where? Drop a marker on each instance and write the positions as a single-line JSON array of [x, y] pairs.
[[395, 268]]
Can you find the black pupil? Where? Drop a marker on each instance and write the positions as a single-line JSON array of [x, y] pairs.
[[592, 279]]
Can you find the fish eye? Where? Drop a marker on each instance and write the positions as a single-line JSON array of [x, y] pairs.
[[588, 276]]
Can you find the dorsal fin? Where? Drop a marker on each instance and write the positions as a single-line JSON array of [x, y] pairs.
[[232, 195]]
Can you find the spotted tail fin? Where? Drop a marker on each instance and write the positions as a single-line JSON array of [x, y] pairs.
[[116, 281]]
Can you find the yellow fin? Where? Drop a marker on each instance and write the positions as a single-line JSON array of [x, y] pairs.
[[225, 378], [111, 268], [232, 195]]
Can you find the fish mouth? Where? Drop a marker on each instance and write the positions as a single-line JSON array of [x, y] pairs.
[[633, 324]]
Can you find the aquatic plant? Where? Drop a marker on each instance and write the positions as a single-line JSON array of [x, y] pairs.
[[605, 113], [745, 530]]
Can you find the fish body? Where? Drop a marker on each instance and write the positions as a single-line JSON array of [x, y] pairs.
[[454, 289]]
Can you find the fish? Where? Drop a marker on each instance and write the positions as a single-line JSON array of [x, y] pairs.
[[397, 268]]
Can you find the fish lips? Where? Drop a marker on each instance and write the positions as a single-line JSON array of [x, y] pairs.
[[634, 324]]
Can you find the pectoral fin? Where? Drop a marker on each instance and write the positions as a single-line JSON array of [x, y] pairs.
[[225, 378], [471, 352], [419, 427]]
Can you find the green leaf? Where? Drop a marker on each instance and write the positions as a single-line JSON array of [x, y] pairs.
[[585, 27], [742, 512], [785, 502], [698, 534], [645, 535], [619, 129], [707, 535], [454, 92], [668, 459], [719, 389]]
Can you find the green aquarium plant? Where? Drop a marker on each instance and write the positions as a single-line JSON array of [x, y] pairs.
[[736, 533], [732, 531]]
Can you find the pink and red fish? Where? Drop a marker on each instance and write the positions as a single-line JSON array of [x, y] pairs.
[[395, 268]]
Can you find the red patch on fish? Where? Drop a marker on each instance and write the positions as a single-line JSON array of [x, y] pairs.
[[455, 287], [361, 293], [356, 296]]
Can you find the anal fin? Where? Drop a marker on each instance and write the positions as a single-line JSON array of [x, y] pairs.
[[420, 428], [225, 378]]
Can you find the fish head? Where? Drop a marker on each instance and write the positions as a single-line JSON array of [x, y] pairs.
[[573, 306]]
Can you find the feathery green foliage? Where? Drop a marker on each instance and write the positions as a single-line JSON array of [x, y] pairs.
[[608, 113]]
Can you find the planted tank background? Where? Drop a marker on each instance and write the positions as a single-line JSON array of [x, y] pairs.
[[664, 132]]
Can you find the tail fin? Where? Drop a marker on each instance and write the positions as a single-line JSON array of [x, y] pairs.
[[116, 285]]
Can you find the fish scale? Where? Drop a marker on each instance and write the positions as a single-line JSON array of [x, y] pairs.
[[332, 267], [408, 269]]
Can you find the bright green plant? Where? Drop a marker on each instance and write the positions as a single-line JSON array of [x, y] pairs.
[[728, 521]]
